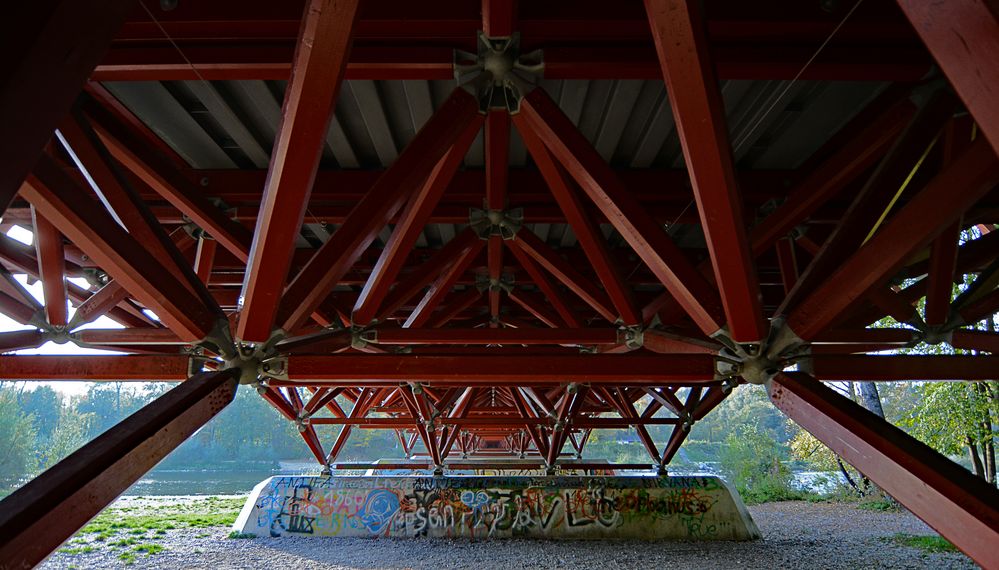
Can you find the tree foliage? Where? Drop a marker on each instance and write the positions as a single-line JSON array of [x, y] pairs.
[[17, 438]]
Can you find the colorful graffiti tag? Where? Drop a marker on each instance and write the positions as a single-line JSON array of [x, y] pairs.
[[570, 507]]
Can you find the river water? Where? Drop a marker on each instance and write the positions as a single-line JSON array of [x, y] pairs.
[[227, 481], [240, 481]]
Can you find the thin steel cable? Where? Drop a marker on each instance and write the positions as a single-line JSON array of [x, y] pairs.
[[172, 42], [801, 72]]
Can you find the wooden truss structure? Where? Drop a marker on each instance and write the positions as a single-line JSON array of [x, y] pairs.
[[497, 343]]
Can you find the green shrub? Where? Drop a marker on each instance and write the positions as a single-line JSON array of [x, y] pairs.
[[752, 462]]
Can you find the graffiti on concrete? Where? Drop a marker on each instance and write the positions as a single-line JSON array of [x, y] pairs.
[[591, 507]]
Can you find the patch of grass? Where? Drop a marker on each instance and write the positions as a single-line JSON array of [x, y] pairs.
[[148, 548], [880, 504], [132, 526], [203, 514], [77, 550], [241, 535], [127, 557], [925, 543]]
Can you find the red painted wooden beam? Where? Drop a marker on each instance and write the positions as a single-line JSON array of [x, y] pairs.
[[458, 303], [61, 201], [321, 55], [16, 340], [567, 415], [681, 42], [130, 368], [91, 158], [904, 367], [124, 203], [276, 399], [496, 336], [181, 193], [499, 17], [51, 48], [526, 415], [49, 509], [526, 186], [129, 336], [497, 143], [497, 157], [51, 267], [890, 180], [963, 36], [975, 340], [494, 271], [787, 260], [927, 214], [958, 505], [830, 177], [528, 242], [977, 310], [679, 433], [587, 232], [545, 286], [551, 293], [670, 343], [428, 271], [872, 335], [586, 60], [100, 303], [204, 258], [442, 286], [652, 244], [321, 399], [358, 411], [315, 281], [943, 261], [534, 303], [411, 222], [496, 370], [18, 257]]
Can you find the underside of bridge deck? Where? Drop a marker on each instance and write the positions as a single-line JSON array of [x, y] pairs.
[[494, 229]]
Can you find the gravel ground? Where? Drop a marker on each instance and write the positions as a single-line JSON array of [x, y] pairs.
[[796, 535]]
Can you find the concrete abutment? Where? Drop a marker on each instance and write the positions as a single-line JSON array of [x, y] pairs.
[[560, 507]]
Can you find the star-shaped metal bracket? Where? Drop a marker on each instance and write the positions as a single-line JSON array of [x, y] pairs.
[[513, 74]]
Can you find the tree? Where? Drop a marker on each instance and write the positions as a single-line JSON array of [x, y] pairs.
[[17, 439], [70, 433], [44, 404], [957, 416]]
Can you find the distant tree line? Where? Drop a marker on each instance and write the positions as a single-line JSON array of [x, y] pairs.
[[39, 427]]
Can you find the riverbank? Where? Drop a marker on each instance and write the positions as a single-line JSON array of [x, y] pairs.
[[193, 532]]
